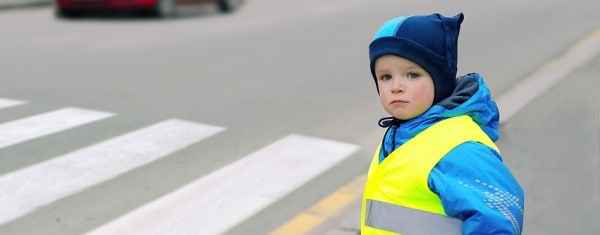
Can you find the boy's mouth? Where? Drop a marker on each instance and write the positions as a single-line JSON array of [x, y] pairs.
[[399, 102]]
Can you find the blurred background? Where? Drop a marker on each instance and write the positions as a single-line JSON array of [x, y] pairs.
[[78, 75]]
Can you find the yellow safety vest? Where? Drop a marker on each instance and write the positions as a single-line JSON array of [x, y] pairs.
[[397, 198]]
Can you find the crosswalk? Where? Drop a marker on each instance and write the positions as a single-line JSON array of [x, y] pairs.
[[210, 204]]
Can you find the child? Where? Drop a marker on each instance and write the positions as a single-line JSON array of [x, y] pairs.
[[437, 169]]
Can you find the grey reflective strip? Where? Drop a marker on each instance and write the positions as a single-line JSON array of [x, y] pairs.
[[408, 221]]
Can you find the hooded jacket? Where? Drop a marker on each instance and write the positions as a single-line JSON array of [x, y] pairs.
[[467, 174]]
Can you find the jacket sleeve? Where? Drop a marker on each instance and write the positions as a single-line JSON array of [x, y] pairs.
[[475, 186]]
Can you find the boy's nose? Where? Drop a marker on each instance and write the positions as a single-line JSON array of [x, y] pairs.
[[397, 86]]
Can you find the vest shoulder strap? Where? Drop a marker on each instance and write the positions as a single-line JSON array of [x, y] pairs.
[[428, 147]]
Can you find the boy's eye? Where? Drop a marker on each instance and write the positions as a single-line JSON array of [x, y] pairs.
[[413, 75], [385, 77]]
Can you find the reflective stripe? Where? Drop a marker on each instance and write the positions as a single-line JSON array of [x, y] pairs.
[[408, 221]]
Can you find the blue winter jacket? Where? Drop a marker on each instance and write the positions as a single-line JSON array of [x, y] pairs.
[[472, 181]]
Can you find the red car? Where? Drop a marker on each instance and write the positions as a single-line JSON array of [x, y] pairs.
[[160, 8]]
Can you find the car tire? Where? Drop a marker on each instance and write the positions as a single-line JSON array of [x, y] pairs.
[[227, 6], [165, 8], [64, 13]]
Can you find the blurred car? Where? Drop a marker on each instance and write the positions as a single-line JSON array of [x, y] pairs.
[[159, 8]]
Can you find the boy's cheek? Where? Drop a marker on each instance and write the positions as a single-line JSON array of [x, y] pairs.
[[383, 98]]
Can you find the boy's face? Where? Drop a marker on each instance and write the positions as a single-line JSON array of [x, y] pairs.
[[406, 90]]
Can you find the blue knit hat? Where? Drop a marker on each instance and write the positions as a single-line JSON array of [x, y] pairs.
[[431, 41]]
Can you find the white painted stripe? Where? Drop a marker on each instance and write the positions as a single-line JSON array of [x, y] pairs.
[[5, 103], [217, 202], [29, 188], [517, 97], [44, 124]]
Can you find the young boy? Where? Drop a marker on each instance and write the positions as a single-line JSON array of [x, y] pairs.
[[437, 169]]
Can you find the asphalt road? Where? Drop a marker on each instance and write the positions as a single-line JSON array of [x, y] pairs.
[[554, 144], [249, 80]]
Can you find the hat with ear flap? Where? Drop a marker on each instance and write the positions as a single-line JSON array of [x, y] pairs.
[[431, 41]]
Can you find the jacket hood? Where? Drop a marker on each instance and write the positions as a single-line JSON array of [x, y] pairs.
[[471, 97]]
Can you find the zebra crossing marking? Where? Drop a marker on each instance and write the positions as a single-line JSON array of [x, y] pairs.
[[25, 129], [219, 201], [5, 103], [24, 190], [262, 177]]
